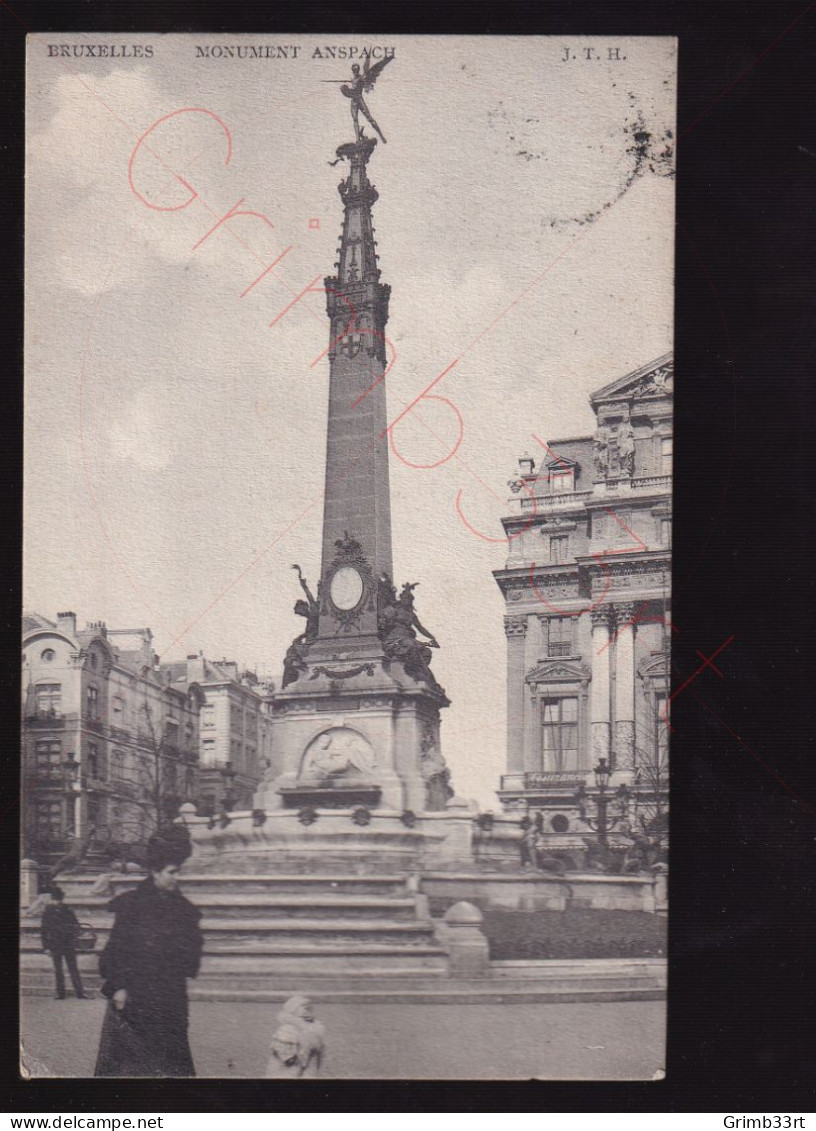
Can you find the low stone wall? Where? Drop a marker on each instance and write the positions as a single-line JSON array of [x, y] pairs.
[[532, 891]]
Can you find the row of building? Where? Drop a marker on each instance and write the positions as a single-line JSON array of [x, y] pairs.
[[113, 739]]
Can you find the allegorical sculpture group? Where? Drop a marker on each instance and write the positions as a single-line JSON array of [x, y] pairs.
[[397, 627], [609, 445]]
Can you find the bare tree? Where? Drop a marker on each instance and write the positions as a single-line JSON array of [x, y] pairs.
[[154, 792]]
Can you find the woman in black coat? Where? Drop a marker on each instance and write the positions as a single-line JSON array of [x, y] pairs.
[[154, 947]]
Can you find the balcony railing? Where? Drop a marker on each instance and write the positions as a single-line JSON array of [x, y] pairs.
[[44, 718], [566, 779], [546, 780], [652, 483], [561, 501]]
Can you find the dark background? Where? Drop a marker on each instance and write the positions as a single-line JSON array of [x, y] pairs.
[[741, 1032]]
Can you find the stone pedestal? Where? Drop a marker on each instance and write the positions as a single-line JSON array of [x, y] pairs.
[[28, 882], [466, 943], [356, 730]]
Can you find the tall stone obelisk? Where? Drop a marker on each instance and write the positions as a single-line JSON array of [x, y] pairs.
[[357, 498], [357, 719]]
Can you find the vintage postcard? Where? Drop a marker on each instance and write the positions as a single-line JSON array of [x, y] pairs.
[[346, 686]]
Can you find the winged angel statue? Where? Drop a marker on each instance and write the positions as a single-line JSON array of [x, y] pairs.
[[361, 83]]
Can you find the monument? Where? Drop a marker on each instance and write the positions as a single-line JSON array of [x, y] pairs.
[[357, 720], [357, 785]]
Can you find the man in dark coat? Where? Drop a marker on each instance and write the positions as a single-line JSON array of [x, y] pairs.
[[154, 947], [58, 930]]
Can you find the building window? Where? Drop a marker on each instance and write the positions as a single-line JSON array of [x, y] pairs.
[[560, 734], [661, 731], [93, 760], [208, 717], [48, 757], [559, 636], [48, 819], [559, 548], [171, 735], [94, 811], [118, 771], [666, 455], [92, 700], [665, 531], [48, 655], [49, 698], [562, 480]]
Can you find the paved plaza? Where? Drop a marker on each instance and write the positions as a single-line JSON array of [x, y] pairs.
[[583, 1040]]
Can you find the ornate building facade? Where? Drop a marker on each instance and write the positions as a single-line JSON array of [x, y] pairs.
[[110, 745], [587, 591]]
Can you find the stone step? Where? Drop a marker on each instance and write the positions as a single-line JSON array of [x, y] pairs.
[[652, 970], [383, 979], [78, 886], [242, 906], [230, 967], [240, 934]]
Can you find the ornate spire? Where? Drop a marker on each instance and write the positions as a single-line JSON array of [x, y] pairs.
[[357, 500], [356, 258]]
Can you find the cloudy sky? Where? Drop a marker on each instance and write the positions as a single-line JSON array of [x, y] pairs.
[[175, 440]]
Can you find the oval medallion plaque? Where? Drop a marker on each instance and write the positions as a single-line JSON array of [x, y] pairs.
[[346, 588]]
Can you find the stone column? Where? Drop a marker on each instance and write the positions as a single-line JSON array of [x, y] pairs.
[[624, 742], [516, 628], [599, 700]]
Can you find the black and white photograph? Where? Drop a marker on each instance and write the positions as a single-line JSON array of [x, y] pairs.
[[347, 631]]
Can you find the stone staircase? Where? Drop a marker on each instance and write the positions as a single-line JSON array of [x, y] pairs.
[[263, 932]]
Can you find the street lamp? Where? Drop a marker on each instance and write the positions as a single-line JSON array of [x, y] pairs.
[[602, 823], [602, 774]]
